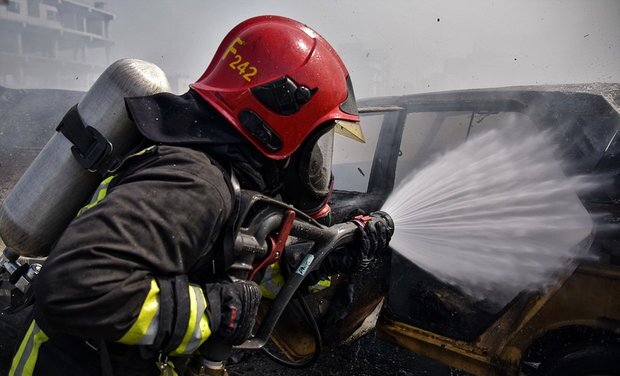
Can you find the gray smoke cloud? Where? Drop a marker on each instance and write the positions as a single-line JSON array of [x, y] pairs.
[[401, 46], [397, 47]]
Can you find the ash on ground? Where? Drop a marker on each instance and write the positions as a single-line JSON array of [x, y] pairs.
[[365, 357]]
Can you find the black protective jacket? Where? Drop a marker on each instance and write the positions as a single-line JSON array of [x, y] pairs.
[[127, 260], [123, 284]]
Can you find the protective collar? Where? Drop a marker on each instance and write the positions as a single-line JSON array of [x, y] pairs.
[[189, 120], [180, 120]]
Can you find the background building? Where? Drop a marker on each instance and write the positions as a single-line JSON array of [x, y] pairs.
[[53, 43]]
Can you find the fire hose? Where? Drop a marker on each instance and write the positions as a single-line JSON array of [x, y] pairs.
[[264, 228], [265, 240]]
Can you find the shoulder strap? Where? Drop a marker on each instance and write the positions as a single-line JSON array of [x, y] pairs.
[[227, 237], [216, 263], [230, 228], [90, 148]]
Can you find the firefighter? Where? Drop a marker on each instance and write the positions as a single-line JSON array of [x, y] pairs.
[[124, 290]]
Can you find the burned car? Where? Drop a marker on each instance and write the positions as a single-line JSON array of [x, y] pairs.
[[574, 327]]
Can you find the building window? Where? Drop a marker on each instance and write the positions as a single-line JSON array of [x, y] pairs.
[[51, 15], [80, 23], [33, 8], [13, 6]]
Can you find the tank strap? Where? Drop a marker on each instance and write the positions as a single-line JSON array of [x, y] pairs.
[[90, 148], [231, 225], [102, 190], [227, 237]]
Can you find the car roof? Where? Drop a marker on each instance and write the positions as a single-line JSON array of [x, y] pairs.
[[590, 97]]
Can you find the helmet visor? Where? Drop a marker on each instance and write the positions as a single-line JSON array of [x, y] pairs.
[[320, 163]]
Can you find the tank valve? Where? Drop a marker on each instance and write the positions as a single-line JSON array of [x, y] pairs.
[[21, 275]]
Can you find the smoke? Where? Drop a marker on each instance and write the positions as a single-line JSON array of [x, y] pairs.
[[29, 118], [406, 47]]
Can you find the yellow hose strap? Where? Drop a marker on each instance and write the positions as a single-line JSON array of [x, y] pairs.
[[144, 329], [198, 329], [98, 196], [26, 357]]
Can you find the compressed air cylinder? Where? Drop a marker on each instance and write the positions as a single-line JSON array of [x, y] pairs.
[[54, 187]]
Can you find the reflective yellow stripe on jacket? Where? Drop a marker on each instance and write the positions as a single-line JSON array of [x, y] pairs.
[[198, 329], [321, 285], [145, 328], [102, 189], [26, 356], [273, 281], [98, 196]]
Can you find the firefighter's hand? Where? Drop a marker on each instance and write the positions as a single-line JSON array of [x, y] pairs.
[[373, 239], [232, 308]]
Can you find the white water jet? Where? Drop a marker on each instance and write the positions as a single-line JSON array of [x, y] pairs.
[[494, 216]]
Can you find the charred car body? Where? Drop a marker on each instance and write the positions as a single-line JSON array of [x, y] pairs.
[[574, 326]]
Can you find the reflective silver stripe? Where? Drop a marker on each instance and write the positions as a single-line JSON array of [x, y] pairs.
[[28, 351], [144, 329], [272, 281], [196, 337], [151, 332]]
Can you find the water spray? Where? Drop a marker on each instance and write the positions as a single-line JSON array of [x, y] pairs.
[[494, 216]]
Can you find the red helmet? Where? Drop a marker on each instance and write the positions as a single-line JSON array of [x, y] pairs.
[[276, 80]]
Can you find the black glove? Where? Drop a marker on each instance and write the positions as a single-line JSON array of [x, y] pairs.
[[232, 308], [373, 238]]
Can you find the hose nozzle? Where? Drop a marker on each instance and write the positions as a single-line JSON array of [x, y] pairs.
[[361, 220], [388, 220]]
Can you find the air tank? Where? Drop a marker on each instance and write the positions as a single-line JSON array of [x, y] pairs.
[[55, 186]]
